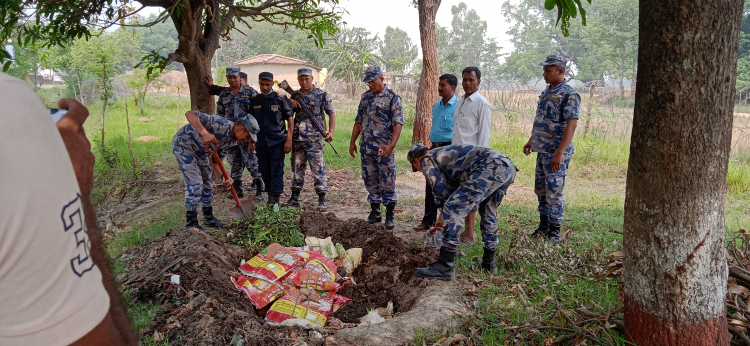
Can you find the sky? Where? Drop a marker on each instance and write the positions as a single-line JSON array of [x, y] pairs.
[[400, 13], [375, 17]]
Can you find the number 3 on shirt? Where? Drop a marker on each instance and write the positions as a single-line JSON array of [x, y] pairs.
[[74, 221]]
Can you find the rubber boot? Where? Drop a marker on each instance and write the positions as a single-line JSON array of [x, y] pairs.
[[259, 194], [237, 184], [543, 228], [554, 233], [192, 221], [273, 198], [322, 207], [488, 261], [389, 224], [293, 201], [252, 187], [209, 219], [374, 216], [444, 269]]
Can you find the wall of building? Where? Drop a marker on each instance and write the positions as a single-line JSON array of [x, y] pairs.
[[280, 73]]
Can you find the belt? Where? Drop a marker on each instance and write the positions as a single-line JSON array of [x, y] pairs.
[[440, 144]]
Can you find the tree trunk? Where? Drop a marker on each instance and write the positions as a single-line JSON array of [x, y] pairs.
[[428, 82], [200, 96], [675, 271], [622, 74], [130, 140]]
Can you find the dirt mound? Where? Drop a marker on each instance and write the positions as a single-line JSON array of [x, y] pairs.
[[387, 269], [205, 308]]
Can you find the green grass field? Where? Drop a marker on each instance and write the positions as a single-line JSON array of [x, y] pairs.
[[551, 277]]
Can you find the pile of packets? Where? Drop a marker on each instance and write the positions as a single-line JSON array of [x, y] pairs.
[[301, 282]]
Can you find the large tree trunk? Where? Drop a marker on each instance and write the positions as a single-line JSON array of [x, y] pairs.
[[428, 82], [200, 96], [675, 269]]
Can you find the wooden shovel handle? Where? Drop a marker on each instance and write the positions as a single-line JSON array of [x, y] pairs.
[[224, 173]]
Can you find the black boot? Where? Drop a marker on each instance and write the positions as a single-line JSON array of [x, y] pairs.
[[543, 228], [374, 216], [192, 220], [259, 194], [488, 261], [209, 219], [443, 269], [389, 216], [322, 207], [273, 198], [293, 201], [554, 233], [237, 184], [252, 187]]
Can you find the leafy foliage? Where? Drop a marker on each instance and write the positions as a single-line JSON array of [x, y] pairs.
[[351, 52], [397, 50], [267, 226]]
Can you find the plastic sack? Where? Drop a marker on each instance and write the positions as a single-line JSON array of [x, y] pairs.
[[305, 278], [433, 239], [323, 246], [340, 251], [260, 292], [296, 304], [355, 255], [322, 265], [272, 263]]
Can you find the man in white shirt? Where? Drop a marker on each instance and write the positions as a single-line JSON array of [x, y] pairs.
[[472, 123], [55, 286]]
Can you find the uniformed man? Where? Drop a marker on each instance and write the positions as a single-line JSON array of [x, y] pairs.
[[233, 103], [307, 145], [379, 120], [271, 109], [552, 140], [188, 147], [463, 177]]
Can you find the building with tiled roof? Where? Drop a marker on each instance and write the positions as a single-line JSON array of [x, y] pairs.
[[282, 67]]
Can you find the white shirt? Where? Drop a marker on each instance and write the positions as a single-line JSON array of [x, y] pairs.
[[472, 121], [51, 293]]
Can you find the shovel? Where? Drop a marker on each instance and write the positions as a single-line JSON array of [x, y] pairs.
[[242, 209]]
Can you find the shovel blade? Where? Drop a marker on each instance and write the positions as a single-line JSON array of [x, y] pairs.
[[244, 210]]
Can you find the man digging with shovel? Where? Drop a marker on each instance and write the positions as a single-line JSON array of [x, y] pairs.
[[189, 147], [463, 177]]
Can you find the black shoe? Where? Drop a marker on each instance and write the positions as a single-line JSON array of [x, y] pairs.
[[554, 233], [543, 228], [251, 187], [322, 207], [237, 188], [488, 261], [374, 216], [273, 198], [192, 221], [389, 224], [293, 201], [444, 269], [209, 219]]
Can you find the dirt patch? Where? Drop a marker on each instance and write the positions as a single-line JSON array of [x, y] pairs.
[[146, 139], [205, 309], [146, 119], [387, 269]]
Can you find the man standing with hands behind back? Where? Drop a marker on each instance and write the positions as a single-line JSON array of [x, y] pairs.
[[472, 123], [441, 134], [379, 120], [552, 138]]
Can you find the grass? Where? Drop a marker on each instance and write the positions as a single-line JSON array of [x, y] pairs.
[[549, 276]]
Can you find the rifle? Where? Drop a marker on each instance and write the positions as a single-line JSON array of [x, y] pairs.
[[306, 112]]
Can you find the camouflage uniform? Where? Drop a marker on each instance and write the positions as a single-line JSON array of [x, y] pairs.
[[463, 177], [308, 142], [187, 146], [556, 106], [377, 114], [231, 107]]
